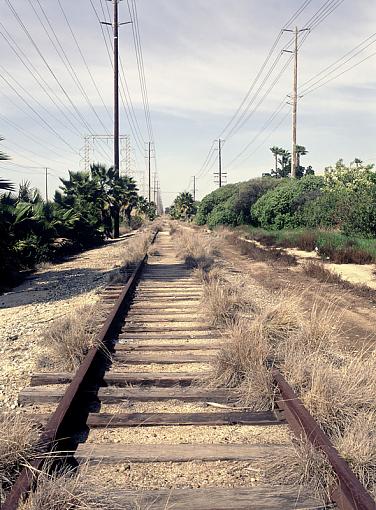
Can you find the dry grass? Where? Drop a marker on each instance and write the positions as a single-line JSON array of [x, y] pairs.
[[70, 490], [305, 466], [197, 250], [255, 252], [68, 339], [222, 301], [357, 445], [302, 465], [337, 386], [242, 361], [317, 270], [18, 437], [241, 364], [136, 249]]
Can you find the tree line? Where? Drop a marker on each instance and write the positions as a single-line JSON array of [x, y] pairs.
[[81, 215]]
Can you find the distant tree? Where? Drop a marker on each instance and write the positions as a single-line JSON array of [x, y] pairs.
[[4, 184], [184, 207], [146, 208], [285, 164], [300, 151]]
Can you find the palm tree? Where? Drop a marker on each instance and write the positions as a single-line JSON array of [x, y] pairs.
[[4, 184], [285, 162], [300, 151], [276, 151]]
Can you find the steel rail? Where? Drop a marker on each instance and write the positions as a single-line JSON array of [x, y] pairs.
[[349, 494], [59, 422]]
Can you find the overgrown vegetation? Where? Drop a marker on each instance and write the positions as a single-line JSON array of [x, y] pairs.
[[71, 490], [334, 214], [197, 250], [80, 216], [18, 438], [183, 208], [336, 385], [67, 340]]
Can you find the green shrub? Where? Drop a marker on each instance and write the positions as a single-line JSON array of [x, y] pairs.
[[281, 207], [231, 204], [214, 198]]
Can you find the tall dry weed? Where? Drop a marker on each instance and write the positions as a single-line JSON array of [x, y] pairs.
[[18, 438], [67, 340], [72, 490], [197, 250]]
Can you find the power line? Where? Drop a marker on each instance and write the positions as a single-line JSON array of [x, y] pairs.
[[128, 110], [341, 73], [48, 90], [140, 65], [38, 115], [317, 18], [327, 71], [68, 66], [84, 59]]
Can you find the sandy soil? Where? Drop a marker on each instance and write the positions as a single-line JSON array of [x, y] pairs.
[[265, 279], [53, 291], [157, 475], [364, 274], [223, 434]]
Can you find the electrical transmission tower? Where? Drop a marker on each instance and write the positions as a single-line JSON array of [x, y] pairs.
[[125, 152]]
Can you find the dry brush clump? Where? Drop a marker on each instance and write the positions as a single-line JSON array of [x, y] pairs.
[[67, 340], [18, 437], [136, 249], [336, 385], [197, 250], [224, 301], [317, 270], [72, 490], [251, 344]]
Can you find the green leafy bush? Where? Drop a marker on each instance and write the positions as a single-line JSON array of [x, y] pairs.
[[281, 207], [231, 204]]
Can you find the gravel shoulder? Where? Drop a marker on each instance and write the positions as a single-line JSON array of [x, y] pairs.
[[52, 291]]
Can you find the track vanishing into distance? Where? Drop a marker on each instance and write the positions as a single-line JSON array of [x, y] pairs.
[[161, 345]]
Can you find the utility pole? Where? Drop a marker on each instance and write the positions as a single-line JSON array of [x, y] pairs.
[[115, 27], [46, 185], [294, 99], [194, 188], [155, 188], [149, 169], [116, 107], [294, 105], [220, 162]]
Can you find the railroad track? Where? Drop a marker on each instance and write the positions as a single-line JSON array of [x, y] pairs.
[[161, 346]]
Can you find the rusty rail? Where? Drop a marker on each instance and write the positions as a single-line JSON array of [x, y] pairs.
[[349, 494], [59, 422]]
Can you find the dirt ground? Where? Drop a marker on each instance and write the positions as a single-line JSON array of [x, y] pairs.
[[357, 312], [52, 291]]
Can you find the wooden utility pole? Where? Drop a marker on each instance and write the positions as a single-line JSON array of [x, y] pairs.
[[115, 28], [220, 162], [116, 107], [149, 171], [294, 98], [155, 188], [46, 184], [194, 188]]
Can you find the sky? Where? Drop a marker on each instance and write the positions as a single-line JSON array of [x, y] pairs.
[[200, 58]]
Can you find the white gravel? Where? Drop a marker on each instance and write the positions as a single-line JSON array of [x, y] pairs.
[[51, 292]]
